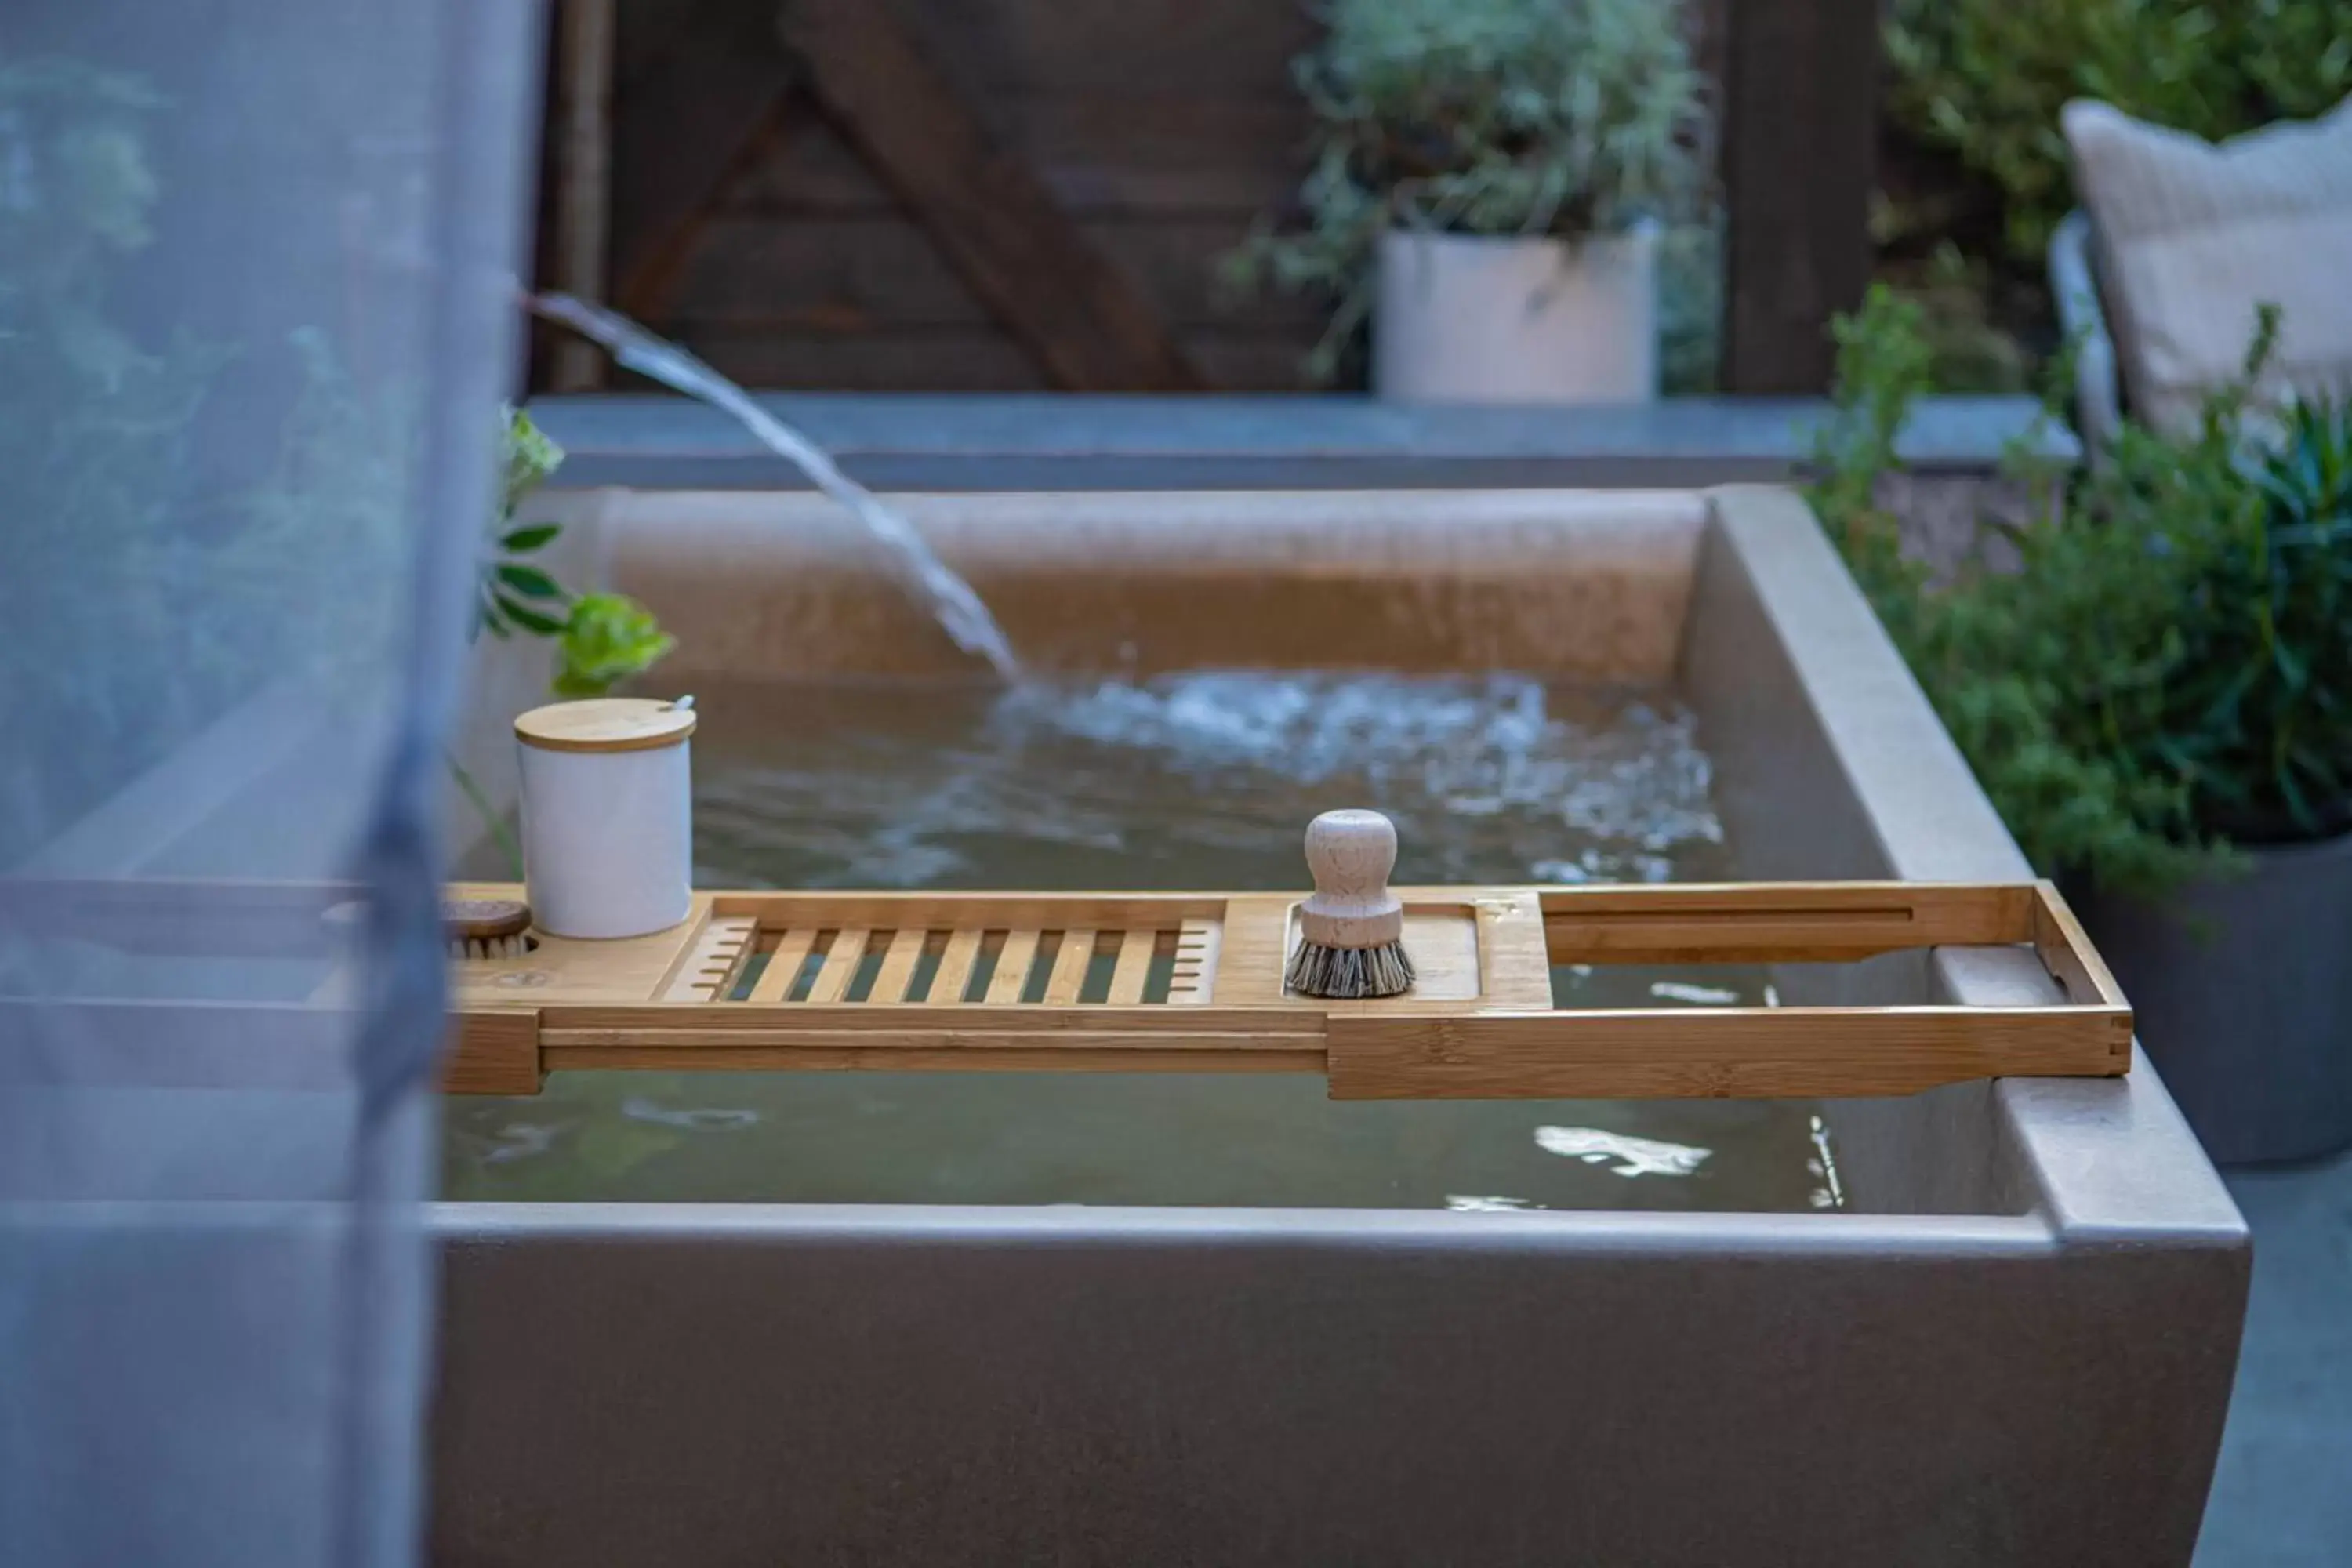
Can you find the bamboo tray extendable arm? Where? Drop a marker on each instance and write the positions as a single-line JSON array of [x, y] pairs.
[[1193, 983]]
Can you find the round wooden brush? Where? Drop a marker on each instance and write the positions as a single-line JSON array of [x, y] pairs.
[[1351, 930], [486, 928], [472, 928]]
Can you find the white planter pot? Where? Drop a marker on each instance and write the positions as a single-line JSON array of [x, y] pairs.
[[1478, 319]]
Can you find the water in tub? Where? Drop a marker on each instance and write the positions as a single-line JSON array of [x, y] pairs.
[[1197, 780]]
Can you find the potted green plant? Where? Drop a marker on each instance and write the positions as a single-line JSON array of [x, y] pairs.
[[1491, 182], [2158, 698]]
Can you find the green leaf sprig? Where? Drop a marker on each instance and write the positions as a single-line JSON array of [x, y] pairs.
[[601, 639]]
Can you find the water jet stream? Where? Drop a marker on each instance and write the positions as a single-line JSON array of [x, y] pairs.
[[953, 603]]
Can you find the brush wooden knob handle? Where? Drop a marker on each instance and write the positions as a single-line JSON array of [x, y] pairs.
[[1351, 854]]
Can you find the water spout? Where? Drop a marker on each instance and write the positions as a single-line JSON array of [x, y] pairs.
[[957, 608]]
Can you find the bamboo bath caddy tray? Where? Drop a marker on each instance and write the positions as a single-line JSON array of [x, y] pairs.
[[1193, 983]]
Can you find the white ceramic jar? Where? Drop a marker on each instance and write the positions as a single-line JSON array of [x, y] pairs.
[[607, 815]]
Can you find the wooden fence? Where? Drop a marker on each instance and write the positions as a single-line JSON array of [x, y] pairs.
[[1019, 194]]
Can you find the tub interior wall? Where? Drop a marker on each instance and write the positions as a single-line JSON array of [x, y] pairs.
[[1584, 586], [1818, 730]]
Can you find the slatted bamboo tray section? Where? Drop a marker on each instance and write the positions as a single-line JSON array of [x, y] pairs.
[[1192, 983]]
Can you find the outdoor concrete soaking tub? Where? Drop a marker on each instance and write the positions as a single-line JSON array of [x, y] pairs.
[[2009, 1339]]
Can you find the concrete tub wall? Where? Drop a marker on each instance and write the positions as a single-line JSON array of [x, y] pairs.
[[1593, 585], [2024, 1357]]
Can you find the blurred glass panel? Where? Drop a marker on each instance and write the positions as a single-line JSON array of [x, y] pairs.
[[257, 291]]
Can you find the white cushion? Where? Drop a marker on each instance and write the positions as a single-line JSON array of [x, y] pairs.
[[2193, 237]]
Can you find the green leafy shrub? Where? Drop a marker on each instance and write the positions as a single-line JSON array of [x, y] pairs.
[[2168, 673], [1566, 117], [1974, 340], [1984, 79]]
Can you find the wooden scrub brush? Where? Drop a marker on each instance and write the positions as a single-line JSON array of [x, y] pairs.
[[486, 928], [1351, 930], [473, 928]]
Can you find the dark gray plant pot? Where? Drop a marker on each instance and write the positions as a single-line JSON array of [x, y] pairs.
[[2244, 991]]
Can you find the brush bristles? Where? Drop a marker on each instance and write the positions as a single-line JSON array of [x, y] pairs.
[[1348, 974], [488, 947]]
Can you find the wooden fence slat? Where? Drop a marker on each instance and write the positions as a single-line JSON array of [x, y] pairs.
[[583, 152], [1799, 160], [1087, 323], [682, 124]]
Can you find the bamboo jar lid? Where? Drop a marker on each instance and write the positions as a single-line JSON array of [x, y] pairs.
[[607, 724]]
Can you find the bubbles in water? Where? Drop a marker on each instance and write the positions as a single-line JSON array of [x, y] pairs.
[[1208, 779], [1831, 1192], [516, 1141], [639, 1109], [1694, 995], [1620, 1153], [1196, 780]]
